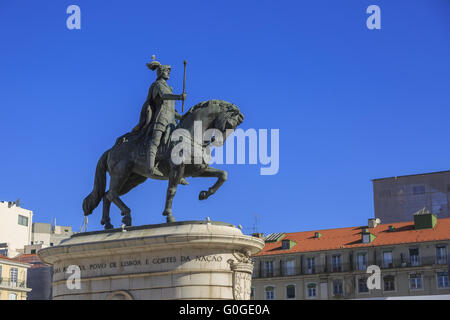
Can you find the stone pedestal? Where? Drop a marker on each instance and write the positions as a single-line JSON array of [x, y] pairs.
[[180, 260]]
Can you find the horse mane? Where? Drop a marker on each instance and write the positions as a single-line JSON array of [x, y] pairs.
[[205, 104]]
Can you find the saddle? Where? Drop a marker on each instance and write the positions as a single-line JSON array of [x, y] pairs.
[[143, 139]]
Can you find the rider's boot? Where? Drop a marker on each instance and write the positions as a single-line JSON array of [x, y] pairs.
[[153, 169]]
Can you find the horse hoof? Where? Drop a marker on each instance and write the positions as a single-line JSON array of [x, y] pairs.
[[203, 195], [170, 218], [127, 220], [109, 226]]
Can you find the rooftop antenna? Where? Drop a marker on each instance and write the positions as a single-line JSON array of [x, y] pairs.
[[255, 224], [253, 229]]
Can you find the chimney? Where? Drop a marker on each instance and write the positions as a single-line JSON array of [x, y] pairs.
[[424, 219], [374, 222]]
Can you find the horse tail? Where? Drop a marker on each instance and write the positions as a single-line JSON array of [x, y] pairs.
[[93, 199]]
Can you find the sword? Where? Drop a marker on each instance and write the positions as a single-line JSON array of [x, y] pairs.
[[184, 83]]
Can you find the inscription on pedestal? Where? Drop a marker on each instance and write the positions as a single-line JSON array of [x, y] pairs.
[[145, 261]]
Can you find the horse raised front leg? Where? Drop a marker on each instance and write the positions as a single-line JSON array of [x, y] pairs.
[[175, 175], [216, 173]]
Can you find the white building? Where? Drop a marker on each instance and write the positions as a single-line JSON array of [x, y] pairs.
[[15, 228]]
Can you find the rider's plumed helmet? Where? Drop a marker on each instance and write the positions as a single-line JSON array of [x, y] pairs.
[[155, 65]]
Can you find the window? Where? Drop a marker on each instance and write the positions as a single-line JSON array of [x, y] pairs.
[[268, 268], [270, 293], [338, 287], [362, 285], [252, 293], [336, 265], [415, 281], [311, 290], [12, 296], [389, 283], [33, 251], [387, 259], [4, 252], [362, 261], [414, 257], [13, 273], [23, 221], [290, 292], [441, 254], [310, 265], [290, 267], [442, 279], [419, 189]]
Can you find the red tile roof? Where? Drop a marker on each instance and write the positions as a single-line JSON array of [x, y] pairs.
[[2, 257], [5, 257], [32, 259], [333, 239]]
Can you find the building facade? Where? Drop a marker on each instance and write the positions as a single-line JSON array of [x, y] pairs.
[[45, 235], [412, 260], [39, 276], [396, 199], [13, 279], [15, 228]]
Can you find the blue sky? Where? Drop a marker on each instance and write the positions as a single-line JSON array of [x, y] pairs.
[[351, 104]]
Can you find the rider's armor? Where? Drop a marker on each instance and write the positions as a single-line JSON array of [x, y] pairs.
[[163, 121]]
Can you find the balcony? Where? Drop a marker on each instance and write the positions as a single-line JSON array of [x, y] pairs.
[[414, 262], [295, 271], [8, 283], [351, 267]]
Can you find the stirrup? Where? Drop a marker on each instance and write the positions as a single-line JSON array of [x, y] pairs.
[[155, 172]]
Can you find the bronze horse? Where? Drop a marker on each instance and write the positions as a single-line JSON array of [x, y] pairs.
[[128, 166]]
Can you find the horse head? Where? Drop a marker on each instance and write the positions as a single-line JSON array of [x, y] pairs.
[[229, 117], [215, 115]]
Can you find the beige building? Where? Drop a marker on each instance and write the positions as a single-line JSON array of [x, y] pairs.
[[45, 235], [13, 279], [412, 258], [15, 228]]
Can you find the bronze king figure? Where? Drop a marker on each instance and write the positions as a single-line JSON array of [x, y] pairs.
[[147, 151]]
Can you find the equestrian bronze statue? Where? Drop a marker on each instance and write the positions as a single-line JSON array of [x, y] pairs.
[[151, 151]]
